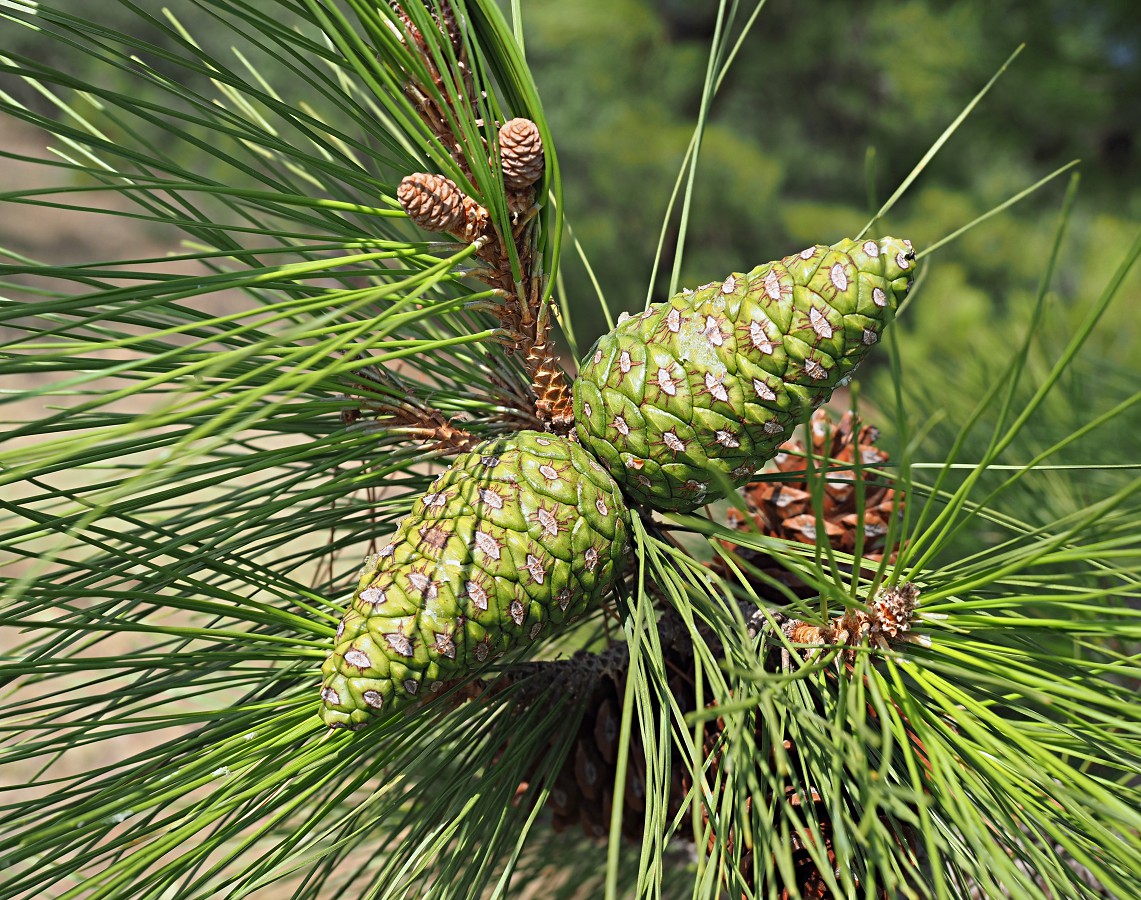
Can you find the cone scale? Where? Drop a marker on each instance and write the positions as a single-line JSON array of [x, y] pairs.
[[690, 398], [518, 536]]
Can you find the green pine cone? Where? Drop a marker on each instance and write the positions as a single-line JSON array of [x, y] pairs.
[[520, 533], [712, 381]]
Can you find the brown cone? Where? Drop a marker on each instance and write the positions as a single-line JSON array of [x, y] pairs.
[[583, 791], [432, 201], [521, 153], [783, 509]]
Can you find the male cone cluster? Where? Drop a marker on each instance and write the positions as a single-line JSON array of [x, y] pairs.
[[679, 404]]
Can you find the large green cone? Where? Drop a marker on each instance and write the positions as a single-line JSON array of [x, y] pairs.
[[519, 535], [696, 393]]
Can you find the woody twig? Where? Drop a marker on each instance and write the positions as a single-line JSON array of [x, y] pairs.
[[390, 405]]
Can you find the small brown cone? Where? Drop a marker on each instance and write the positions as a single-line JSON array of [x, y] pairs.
[[432, 201], [588, 774], [553, 401], [435, 204], [521, 153]]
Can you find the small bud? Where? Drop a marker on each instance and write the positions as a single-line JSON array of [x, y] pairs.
[[521, 153], [895, 607], [445, 19], [450, 25]]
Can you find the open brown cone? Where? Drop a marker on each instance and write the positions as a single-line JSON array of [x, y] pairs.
[[783, 509]]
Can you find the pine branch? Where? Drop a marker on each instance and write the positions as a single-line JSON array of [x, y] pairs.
[[436, 203], [183, 511]]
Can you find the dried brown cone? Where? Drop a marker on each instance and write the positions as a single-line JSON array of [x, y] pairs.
[[520, 153], [583, 792], [432, 201], [783, 509], [435, 203]]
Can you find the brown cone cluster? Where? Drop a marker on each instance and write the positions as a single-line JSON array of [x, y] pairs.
[[783, 509], [435, 203], [502, 249]]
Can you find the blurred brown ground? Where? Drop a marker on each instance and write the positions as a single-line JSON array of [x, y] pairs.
[[61, 236]]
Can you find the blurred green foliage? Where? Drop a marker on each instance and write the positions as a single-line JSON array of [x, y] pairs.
[[817, 91], [826, 110]]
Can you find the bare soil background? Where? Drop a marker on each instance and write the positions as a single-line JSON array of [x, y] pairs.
[[59, 236]]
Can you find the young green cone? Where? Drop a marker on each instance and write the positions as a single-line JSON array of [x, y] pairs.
[[520, 533], [696, 393]]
